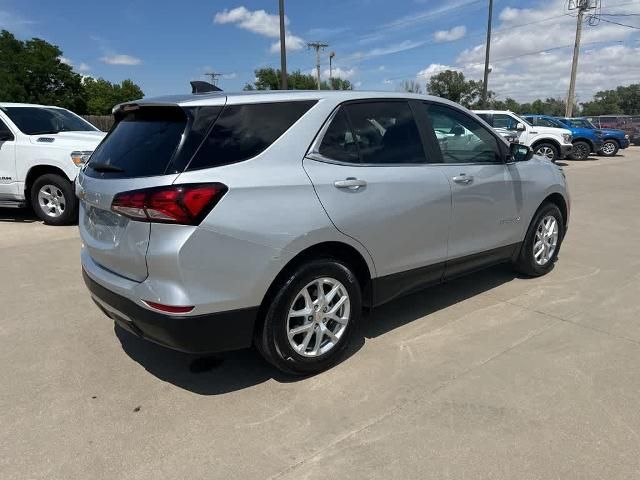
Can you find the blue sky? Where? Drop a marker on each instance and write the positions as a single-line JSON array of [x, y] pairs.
[[163, 44]]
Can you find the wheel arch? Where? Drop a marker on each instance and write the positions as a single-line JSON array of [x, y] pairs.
[[330, 249], [36, 172], [558, 200], [612, 139], [585, 140], [552, 141]]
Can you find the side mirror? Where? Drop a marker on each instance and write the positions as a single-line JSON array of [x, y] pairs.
[[520, 153], [520, 127]]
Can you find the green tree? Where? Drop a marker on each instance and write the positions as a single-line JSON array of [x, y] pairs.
[[269, 79], [102, 95], [452, 85], [31, 72], [624, 99]]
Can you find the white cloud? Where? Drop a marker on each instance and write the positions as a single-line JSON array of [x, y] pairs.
[[229, 76], [261, 23], [83, 68], [117, 59], [521, 73], [455, 33], [432, 70], [388, 50], [66, 61], [340, 73]]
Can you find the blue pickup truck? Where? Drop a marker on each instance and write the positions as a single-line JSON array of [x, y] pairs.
[[612, 139], [584, 140]]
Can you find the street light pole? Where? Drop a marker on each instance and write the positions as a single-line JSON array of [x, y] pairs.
[[582, 5], [331, 55], [283, 50]]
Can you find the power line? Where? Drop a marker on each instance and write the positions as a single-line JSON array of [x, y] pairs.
[[618, 23]]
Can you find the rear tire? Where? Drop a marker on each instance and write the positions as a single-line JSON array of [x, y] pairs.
[[609, 148], [580, 151], [539, 250], [547, 150], [53, 200], [312, 349]]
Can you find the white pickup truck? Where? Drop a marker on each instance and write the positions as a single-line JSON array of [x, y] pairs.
[[41, 151], [553, 143]]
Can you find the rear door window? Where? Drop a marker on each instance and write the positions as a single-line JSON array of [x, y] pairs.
[[385, 132], [338, 142], [244, 131]]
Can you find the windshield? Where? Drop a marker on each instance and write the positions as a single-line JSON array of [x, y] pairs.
[[581, 123], [39, 120]]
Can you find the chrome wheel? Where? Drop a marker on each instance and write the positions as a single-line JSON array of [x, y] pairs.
[[546, 151], [546, 240], [608, 148], [318, 317], [51, 201]]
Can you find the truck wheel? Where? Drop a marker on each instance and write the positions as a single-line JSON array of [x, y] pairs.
[[53, 200], [547, 150], [609, 148], [580, 150]]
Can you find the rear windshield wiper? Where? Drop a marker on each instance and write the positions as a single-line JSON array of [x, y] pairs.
[[105, 168]]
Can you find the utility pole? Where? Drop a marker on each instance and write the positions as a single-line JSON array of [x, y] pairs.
[[331, 55], [283, 50], [485, 83], [582, 6], [317, 46], [214, 77]]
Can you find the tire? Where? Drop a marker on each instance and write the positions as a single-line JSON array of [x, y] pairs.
[[57, 192], [526, 262], [547, 150], [581, 150], [609, 148], [274, 342]]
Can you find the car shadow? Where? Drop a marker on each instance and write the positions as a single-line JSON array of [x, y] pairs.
[[233, 371], [18, 215]]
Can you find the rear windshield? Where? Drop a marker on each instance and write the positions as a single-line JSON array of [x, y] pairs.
[[153, 141], [41, 120], [141, 144]]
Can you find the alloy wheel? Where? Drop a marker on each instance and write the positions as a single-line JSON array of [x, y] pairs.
[[608, 148], [546, 152], [546, 240], [318, 317], [51, 200]]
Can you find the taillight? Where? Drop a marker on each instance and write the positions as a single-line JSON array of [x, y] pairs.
[[168, 308], [182, 204]]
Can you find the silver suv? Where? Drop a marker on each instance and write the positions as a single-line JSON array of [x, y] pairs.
[[220, 221]]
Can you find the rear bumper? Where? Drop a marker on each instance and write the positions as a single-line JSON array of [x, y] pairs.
[[210, 333], [565, 151]]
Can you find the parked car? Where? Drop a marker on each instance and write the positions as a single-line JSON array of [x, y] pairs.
[[612, 140], [619, 122], [41, 151], [509, 135], [214, 222], [550, 142], [584, 140]]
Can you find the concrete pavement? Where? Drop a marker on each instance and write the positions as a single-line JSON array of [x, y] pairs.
[[490, 376]]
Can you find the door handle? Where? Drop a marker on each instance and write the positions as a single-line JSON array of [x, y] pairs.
[[463, 178], [351, 183]]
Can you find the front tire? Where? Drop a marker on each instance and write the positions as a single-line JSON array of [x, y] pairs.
[[580, 150], [609, 148], [541, 245], [547, 150], [53, 200], [312, 318]]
